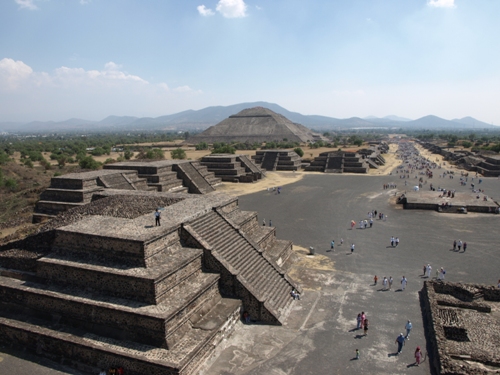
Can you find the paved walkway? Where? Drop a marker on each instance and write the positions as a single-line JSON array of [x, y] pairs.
[[319, 336]]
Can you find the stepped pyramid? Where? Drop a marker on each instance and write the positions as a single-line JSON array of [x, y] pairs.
[[101, 286], [256, 124]]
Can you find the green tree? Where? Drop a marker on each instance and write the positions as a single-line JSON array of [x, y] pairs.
[[226, 149], [98, 151], [299, 151], [88, 162], [127, 154], [178, 153], [202, 146], [466, 144]]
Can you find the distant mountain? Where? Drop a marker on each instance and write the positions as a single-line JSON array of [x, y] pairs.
[[198, 120]]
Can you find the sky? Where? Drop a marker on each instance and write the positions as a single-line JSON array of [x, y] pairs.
[[89, 59]]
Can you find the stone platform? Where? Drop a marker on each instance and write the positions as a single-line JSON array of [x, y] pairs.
[[433, 200], [462, 327], [100, 285]]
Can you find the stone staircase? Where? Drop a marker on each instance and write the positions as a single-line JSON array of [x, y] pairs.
[[107, 301], [247, 271], [335, 164], [270, 161], [192, 178], [207, 175], [251, 167]]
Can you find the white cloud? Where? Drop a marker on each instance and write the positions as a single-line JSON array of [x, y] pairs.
[[232, 8], [441, 3], [26, 4], [164, 86], [13, 73], [183, 89], [204, 11]]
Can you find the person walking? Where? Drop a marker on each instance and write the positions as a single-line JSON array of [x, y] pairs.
[[270, 223], [459, 244], [429, 269], [418, 356], [358, 321], [332, 245], [375, 279], [341, 241], [263, 222], [465, 246], [365, 327], [157, 218], [357, 353], [371, 222], [408, 327], [384, 283], [363, 318], [391, 280], [400, 340], [404, 281], [352, 248], [392, 241], [454, 245], [396, 241]]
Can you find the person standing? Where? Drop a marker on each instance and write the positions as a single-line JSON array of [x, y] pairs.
[[459, 244], [270, 223], [400, 340], [391, 280], [425, 270], [418, 356], [341, 241], [363, 318], [404, 281], [352, 248], [396, 241], [429, 269], [157, 218], [408, 327], [392, 241], [365, 327], [332, 245], [384, 283], [375, 279], [454, 245], [263, 222], [371, 222], [357, 353], [465, 246], [358, 321]]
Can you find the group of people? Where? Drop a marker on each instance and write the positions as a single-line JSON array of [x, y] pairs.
[[362, 322], [113, 371], [459, 244], [394, 241]]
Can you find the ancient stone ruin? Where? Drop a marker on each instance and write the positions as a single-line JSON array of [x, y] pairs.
[[233, 168], [76, 189], [462, 327], [100, 285], [255, 125], [339, 162], [277, 160]]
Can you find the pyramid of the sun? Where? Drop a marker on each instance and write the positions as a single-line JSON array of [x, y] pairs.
[[256, 124]]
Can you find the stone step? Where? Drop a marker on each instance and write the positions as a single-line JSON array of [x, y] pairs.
[[118, 318], [69, 195], [86, 349], [148, 285], [54, 207]]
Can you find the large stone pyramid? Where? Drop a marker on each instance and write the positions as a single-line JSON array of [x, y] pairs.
[[256, 124]]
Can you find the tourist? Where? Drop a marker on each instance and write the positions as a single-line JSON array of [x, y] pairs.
[[425, 270], [429, 269], [465, 246], [385, 217], [408, 327], [341, 240], [391, 280], [263, 222], [384, 283], [246, 317], [357, 353], [371, 222], [459, 245], [157, 217], [270, 223], [358, 319], [295, 295], [392, 241], [365, 326], [363, 318], [396, 241], [400, 340], [332, 245], [404, 281], [442, 272], [418, 356], [454, 245], [352, 248], [353, 223], [375, 279]]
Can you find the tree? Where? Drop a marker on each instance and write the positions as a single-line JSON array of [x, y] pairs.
[[88, 162], [226, 149], [202, 146], [299, 151], [178, 153], [466, 144], [128, 154]]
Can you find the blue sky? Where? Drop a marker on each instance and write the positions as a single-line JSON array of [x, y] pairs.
[[342, 58]]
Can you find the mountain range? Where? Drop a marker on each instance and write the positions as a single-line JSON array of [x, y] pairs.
[[192, 120]]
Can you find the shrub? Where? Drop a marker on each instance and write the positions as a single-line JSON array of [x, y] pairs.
[[178, 153], [109, 161], [466, 144], [88, 162], [10, 184], [299, 151], [224, 150], [202, 146]]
